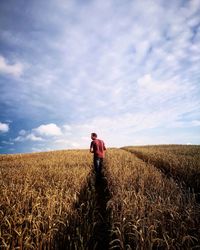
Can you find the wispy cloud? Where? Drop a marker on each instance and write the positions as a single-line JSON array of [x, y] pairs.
[[13, 69], [108, 66], [27, 137], [8, 142]]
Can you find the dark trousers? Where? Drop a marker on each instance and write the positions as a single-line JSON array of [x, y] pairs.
[[98, 164]]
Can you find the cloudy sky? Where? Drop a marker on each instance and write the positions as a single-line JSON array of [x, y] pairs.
[[128, 70]]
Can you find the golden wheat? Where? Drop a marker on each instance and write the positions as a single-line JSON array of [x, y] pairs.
[[179, 161], [149, 209], [37, 191], [54, 201]]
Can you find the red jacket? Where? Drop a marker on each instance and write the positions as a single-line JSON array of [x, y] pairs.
[[97, 147]]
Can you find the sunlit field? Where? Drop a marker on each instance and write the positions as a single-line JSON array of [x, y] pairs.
[[178, 161], [145, 198], [150, 210], [37, 193]]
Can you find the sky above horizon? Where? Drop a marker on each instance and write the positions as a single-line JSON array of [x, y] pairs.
[[127, 70]]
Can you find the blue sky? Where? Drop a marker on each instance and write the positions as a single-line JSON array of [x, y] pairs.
[[128, 70]]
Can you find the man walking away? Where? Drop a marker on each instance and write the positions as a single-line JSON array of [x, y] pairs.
[[97, 147]]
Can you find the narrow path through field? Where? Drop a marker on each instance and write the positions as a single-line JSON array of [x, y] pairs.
[[88, 227], [101, 230]]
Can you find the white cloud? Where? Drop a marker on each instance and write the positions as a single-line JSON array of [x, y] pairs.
[[32, 137], [67, 127], [75, 145], [28, 137], [103, 71], [14, 69], [196, 123], [139, 70], [48, 130], [4, 127], [40, 149], [8, 142], [62, 141], [41, 133], [86, 138], [22, 132], [147, 83]]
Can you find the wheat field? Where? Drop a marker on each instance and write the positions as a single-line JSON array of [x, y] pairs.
[[145, 198], [179, 161]]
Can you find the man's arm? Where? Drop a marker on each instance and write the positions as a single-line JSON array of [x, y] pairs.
[[91, 147], [104, 147]]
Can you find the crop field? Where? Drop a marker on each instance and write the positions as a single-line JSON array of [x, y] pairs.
[[145, 198], [179, 161]]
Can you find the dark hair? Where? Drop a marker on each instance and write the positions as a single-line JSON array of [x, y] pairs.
[[94, 134]]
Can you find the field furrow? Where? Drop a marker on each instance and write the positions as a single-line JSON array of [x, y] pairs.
[[179, 162], [149, 210]]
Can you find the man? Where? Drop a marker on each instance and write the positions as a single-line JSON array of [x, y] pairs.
[[97, 147]]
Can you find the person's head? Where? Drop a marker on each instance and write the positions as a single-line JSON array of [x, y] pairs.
[[93, 136]]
